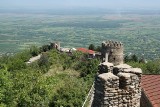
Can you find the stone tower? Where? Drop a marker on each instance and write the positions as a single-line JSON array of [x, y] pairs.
[[112, 52], [55, 45]]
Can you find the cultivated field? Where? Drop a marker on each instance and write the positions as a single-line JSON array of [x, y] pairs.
[[139, 33]]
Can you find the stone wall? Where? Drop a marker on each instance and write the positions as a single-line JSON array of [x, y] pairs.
[[117, 86]]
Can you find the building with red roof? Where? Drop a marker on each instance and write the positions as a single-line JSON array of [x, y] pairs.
[[84, 50], [150, 91], [91, 53]]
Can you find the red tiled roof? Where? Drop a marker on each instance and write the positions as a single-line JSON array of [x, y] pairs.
[[151, 87], [84, 50]]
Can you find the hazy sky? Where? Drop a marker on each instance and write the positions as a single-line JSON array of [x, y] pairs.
[[49, 4]]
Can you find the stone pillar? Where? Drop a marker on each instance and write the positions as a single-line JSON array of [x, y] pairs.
[[105, 67], [106, 57], [106, 90]]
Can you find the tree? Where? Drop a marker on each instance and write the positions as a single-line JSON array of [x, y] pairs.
[[5, 88], [72, 94], [43, 63], [91, 47], [16, 64], [134, 58], [24, 55], [126, 58], [99, 49], [45, 48], [34, 51], [87, 67], [153, 67]]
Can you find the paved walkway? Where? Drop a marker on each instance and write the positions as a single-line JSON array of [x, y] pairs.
[[31, 60]]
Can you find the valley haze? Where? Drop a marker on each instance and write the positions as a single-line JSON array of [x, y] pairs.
[[82, 22]]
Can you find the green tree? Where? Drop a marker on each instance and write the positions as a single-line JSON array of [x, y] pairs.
[[99, 48], [6, 85], [153, 67], [87, 67], [45, 48], [34, 50], [91, 47], [72, 94], [126, 58], [24, 55], [16, 64], [43, 63], [134, 58]]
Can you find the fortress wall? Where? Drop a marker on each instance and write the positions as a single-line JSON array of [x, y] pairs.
[[116, 84], [120, 90]]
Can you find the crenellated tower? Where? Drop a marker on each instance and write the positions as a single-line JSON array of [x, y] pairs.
[[55, 45], [112, 51]]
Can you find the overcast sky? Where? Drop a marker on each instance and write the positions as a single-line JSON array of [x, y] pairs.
[[51, 4]]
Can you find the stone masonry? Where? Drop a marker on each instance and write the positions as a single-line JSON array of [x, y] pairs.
[[117, 84], [112, 52]]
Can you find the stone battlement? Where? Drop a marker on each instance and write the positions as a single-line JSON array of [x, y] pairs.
[[117, 86], [112, 44]]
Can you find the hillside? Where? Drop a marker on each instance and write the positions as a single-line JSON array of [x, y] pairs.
[[56, 79]]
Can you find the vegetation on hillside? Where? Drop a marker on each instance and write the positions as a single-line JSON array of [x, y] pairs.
[[57, 79], [150, 67]]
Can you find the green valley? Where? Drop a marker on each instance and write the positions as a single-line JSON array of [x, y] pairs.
[[140, 33]]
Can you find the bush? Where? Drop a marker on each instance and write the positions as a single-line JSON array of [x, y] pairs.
[[16, 64], [91, 47], [6, 93], [72, 94], [132, 58], [34, 51], [152, 67], [88, 67], [43, 63]]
